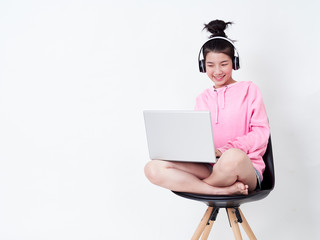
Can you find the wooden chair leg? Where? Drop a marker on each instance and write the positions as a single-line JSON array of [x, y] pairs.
[[202, 224], [210, 222], [246, 227], [207, 230], [234, 223], [235, 215]]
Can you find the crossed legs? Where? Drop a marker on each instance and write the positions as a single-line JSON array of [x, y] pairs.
[[232, 174]]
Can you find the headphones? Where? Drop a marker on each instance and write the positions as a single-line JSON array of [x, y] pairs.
[[235, 60]]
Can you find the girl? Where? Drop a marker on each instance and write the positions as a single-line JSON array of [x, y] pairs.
[[239, 123]]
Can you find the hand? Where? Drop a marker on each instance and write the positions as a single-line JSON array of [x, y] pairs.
[[218, 153]]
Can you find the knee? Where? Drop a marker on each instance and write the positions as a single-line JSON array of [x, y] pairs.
[[153, 171], [235, 153], [232, 159]]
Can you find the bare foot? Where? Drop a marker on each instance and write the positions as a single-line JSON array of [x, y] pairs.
[[238, 188]]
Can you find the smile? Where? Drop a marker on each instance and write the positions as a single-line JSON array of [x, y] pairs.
[[219, 78]]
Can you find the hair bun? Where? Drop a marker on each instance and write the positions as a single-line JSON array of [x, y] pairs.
[[216, 28]]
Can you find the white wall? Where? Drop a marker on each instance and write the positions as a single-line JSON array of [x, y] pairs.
[[74, 79]]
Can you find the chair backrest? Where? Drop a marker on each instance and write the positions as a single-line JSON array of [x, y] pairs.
[[268, 175]]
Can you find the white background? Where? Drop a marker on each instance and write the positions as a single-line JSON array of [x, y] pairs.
[[75, 77]]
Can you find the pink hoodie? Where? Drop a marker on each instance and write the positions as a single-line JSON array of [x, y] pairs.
[[239, 119]]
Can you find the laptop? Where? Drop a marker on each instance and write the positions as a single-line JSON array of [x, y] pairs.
[[178, 135]]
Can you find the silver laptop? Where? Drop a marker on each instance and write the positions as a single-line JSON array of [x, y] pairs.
[[180, 135]]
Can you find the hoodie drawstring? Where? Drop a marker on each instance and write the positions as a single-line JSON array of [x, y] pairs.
[[222, 102], [224, 97], [217, 105]]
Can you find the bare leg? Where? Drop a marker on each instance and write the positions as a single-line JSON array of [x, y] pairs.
[[233, 167], [187, 177]]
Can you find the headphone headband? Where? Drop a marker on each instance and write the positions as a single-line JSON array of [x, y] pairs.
[[235, 60]]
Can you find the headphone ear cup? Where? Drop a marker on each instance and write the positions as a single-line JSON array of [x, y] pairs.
[[236, 63], [202, 67]]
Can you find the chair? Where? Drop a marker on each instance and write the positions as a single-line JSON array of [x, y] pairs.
[[232, 203]]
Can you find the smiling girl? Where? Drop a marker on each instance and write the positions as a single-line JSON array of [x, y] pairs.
[[240, 127]]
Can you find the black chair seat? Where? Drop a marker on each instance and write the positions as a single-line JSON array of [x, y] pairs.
[[225, 201]]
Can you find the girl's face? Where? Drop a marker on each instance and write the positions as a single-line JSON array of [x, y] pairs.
[[219, 69]]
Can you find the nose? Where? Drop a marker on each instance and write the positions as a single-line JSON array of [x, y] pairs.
[[217, 70]]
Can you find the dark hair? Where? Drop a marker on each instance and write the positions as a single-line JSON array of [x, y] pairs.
[[216, 28]]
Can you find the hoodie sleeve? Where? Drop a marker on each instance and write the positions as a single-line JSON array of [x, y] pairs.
[[255, 142]]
